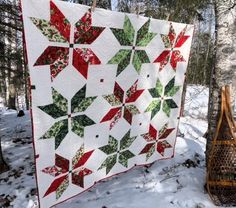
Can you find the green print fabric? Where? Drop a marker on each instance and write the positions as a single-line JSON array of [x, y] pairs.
[[126, 37]]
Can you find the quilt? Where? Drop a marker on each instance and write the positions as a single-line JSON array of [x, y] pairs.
[[105, 89]]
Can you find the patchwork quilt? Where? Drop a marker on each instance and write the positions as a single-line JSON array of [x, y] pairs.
[[106, 92]]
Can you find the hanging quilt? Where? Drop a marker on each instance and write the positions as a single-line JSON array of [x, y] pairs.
[[106, 92]]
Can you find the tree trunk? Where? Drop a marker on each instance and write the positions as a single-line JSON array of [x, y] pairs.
[[224, 72], [11, 97], [196, 75], [3, 165], [205, 66], [186, 81], [183, 97], [26, 85]]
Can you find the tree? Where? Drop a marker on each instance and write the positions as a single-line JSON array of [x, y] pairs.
[[124, 5], [3, 165], [11, 58], [224, 71], [11, 53]]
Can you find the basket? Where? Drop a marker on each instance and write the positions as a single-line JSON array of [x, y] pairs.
[[221, 170]]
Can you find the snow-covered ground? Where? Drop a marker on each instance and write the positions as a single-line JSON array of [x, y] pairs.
[[174, 183]]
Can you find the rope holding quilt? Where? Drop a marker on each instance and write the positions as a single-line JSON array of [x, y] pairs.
[[106, 92]]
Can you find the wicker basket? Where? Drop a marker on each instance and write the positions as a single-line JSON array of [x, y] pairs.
[[221, 171]]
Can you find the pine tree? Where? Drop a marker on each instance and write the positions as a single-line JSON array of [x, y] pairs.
[[11, 57]]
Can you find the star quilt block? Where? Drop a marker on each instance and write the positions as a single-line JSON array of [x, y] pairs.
[[106, 96]]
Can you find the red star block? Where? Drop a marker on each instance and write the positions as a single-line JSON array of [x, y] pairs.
[[58, 57], [122, 104], [62, 170], [156, 140], [172, 43]]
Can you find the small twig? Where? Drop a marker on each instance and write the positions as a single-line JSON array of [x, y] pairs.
[[167, 178]]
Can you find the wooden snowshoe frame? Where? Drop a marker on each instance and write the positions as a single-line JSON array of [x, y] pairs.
[[221, 170]]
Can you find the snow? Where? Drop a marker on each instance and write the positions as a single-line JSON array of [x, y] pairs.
[[174, 183]]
